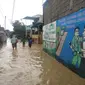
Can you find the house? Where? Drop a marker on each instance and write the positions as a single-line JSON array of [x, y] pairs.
[[36, 28]]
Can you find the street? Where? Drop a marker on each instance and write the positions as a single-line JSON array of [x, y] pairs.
[[32, 66]]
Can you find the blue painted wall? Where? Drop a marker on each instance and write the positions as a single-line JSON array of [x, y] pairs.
[[70, 22]]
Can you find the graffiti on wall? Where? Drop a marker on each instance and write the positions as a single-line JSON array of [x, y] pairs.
[[49, 32], [49, 38], [70, 37], [66, 39], [60, 38]]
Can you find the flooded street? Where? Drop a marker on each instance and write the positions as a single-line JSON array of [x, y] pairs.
[[32, 66]]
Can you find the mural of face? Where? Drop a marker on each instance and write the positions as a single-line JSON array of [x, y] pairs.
[[76, 32]]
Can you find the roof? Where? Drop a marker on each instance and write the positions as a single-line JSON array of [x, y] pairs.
[[31, 18], [36, 25]]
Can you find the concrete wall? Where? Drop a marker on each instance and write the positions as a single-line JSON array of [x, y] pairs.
[[56, 9]]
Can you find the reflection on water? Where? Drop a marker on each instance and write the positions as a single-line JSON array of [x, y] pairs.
[[2, 44], [14, 55], [31, 66]]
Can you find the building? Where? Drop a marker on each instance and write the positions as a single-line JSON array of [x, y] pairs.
[[68, 17], [36, 28], [56, 9]]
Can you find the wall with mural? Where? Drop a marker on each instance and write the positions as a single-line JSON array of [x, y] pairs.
[[70, 41], [49, 38], [65, 39]]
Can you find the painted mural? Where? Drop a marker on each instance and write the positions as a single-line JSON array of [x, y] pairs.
[[65, 39], [70, 41]]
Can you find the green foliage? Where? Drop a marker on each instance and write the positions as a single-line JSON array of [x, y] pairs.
[[19, 29], [11, 34]]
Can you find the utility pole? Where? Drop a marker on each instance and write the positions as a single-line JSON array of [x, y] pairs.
[[5, 23], [13, 10]]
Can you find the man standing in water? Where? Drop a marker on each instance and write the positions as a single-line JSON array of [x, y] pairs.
[[23, 41], [30, 42], [14, 42]]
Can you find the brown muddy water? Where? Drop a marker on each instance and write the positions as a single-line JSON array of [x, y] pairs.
[[32, 66]]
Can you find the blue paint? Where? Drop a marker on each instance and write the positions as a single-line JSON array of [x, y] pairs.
[[70, 22]]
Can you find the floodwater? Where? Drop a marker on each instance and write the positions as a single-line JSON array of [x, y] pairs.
[[32, 66]]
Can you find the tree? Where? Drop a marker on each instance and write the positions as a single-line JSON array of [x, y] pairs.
[[1, 28], [19, 29]]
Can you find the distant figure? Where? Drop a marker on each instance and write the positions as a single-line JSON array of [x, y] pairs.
[[23, 41], [28, 37], [30, 42], [14, 41]]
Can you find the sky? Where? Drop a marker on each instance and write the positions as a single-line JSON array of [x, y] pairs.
[[22, 8]]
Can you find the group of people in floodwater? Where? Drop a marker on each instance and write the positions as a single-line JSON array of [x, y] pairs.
[[14, 41]]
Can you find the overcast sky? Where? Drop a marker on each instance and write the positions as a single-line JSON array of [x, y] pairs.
[[22, 8]]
